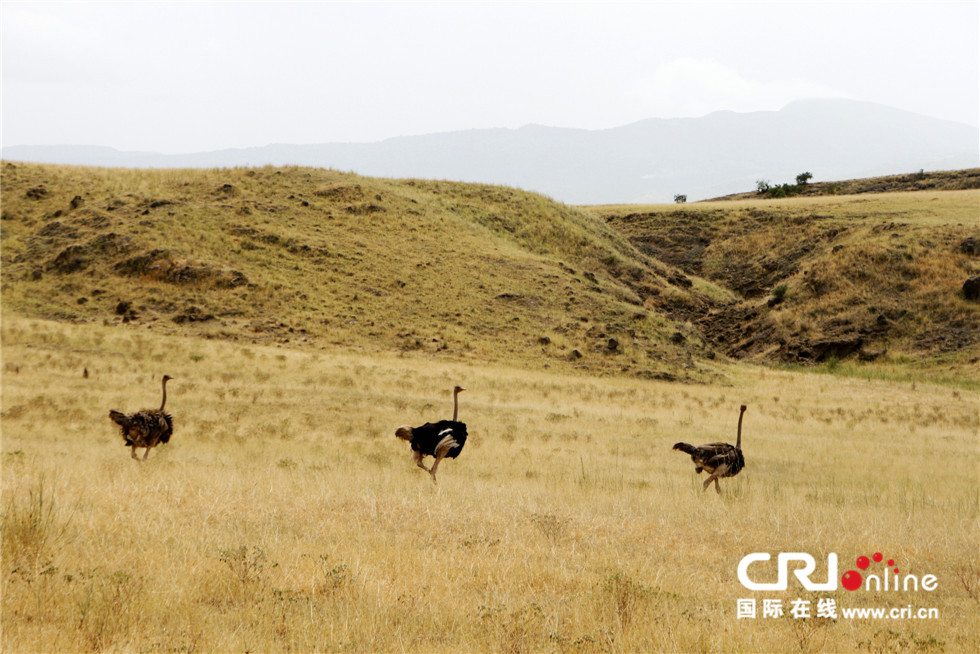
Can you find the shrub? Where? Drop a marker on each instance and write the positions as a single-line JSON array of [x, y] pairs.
[[33, 526], [763, 187]]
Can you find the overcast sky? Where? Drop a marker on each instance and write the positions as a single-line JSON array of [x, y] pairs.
[[178, 77]]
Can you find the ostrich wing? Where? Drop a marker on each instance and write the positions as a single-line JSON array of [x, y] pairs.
[[717, 453], [121, 419], [144, 427], [426, 439]]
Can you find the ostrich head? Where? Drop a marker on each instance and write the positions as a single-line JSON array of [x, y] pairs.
[[458, 389], [404, 432]]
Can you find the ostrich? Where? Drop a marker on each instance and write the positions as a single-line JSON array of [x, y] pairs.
[[147, 428], [436, 439], [719, 459]]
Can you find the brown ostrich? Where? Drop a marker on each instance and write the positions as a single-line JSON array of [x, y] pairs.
[[442, 439], [147, 428], [718, 459]]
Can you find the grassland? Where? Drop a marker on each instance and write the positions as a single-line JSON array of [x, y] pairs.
[[285, 516], [305, 314]]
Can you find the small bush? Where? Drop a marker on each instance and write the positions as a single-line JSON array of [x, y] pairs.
[[246, 566], [107, 606], [764, 188], [627, 596], [32, 527]]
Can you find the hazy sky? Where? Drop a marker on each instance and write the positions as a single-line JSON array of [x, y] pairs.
[[178, 77]]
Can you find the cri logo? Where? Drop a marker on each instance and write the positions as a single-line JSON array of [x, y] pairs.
[[852, 579]]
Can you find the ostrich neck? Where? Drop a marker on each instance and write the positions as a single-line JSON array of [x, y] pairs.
[[455, 405], [738, 441], [164, 403]]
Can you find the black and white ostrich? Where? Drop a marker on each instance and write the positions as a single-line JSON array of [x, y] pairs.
[[442, 439], [147, 428], [718, 459]]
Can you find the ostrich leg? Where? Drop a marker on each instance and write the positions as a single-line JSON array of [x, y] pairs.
[[719, 471], [442, 449]]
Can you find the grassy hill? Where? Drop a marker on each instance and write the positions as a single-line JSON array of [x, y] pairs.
[[876, 277], [319, 258]]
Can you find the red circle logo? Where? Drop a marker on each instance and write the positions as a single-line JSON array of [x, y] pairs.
[[851, 580]]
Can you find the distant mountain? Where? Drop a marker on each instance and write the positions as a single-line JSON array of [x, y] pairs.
[[648, 161]]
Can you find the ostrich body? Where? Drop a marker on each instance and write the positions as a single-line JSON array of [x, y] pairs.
[[147, 428], [440, 440], [718, 459]]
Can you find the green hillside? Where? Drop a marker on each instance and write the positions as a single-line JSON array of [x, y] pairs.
[[318, 258]]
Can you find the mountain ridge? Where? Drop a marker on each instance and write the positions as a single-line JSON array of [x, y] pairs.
[[646, 161]]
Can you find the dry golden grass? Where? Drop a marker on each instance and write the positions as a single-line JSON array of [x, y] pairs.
[[285, 516]]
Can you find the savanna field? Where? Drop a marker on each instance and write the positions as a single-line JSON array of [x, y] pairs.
[[284, 516]]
